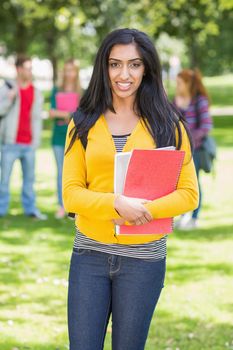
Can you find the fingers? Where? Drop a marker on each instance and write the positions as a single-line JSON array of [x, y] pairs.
[[148, 216], [142, 219], [140, 216], [132, 210]]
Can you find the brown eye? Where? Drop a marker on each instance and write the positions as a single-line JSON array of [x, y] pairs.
[[136, 65], [114, 65]]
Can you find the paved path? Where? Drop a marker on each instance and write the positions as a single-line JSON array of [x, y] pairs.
[[221, 111]]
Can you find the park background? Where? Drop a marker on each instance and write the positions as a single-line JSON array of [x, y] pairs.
[[195, 311]]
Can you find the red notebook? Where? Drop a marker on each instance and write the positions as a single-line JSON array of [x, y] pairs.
[[67, 101], [152, 174]]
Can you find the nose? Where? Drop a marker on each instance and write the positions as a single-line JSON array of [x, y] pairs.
[[124, 73]]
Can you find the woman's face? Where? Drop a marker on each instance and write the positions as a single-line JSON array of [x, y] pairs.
[[182, 87], [125, 69], [70, 73]]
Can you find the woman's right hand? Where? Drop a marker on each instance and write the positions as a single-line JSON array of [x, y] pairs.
[[12, 94], [52, 113], [132, 210], [56, 113]]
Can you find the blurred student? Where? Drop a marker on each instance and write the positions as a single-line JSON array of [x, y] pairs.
[[64, 100], [193, 102], [20, 134]]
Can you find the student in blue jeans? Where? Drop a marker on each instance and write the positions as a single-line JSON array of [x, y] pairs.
[[125, 107]]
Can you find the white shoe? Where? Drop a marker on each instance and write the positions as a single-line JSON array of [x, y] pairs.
[[182, 221], [38, 216], [60, 214], [192, 224]]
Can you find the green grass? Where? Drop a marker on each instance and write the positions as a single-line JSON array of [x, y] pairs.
[[220, 90], [195, 309]]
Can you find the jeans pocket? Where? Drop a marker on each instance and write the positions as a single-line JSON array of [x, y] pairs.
[[80, 251], [76, 260]]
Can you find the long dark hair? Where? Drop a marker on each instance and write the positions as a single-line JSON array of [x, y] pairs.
[[151, 103]]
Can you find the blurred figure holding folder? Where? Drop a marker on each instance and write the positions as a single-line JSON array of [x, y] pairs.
[[64, 101], [124, 108]]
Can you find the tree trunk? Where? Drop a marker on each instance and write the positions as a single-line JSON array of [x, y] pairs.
[[193, 50], [51, 40], [54, 64], [21, 44]]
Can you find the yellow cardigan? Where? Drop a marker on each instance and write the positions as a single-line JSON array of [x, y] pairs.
[[88, 183]]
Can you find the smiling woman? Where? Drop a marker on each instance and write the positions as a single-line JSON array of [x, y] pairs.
[[125, 107]]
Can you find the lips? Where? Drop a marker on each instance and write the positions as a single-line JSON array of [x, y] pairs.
[[123, 86]]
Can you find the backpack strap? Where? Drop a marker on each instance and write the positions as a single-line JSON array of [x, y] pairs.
[[198, 117]]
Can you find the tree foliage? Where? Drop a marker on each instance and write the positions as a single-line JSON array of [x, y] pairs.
[[58, 29]]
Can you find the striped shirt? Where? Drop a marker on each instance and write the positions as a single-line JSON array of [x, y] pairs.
[[152, 250], [198, 108]]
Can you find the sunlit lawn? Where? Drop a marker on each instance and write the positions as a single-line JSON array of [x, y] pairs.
[[195, 311]]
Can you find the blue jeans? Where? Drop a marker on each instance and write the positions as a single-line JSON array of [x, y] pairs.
[[101, 285], [196, 160], [26, 155], [59, 157]]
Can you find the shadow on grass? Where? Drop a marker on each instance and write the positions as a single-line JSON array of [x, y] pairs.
[[207, 234], [21, 230], [189, 272]]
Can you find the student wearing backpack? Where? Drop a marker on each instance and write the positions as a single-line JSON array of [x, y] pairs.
[[20, 133], [124, 107], [193, 102]]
